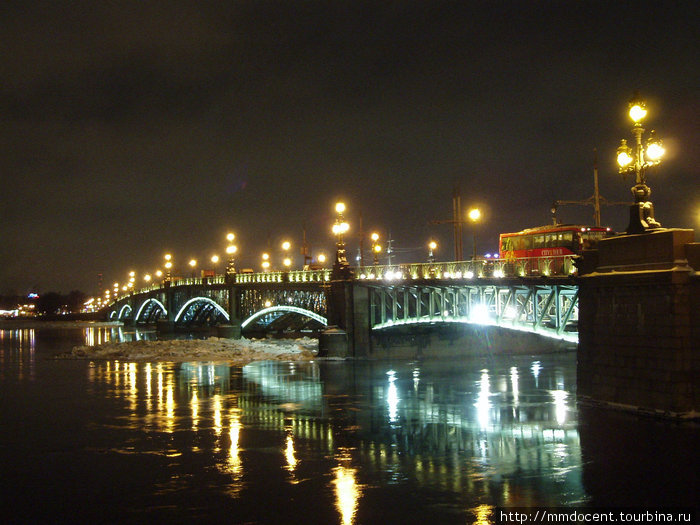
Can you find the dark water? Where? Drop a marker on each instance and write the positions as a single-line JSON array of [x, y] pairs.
[[324, 442]]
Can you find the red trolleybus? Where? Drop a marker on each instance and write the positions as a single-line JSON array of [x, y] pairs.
[[547, 250]]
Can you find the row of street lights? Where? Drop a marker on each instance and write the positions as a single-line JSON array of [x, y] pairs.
[[635, 161], [340, 228]]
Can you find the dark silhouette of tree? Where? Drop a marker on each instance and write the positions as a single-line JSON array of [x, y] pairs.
[[75, 300], [49, 303]]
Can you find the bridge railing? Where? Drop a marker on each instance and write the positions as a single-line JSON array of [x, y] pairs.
[[560, 266], [292, 276]]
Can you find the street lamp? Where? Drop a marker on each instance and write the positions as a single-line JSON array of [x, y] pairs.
[[266, 262], [286, 245], [432, 246], [474, 216], [340, 227], [231, 250], [636, 161], [321, 258], [193, 264], [376, 248], [168, 266]]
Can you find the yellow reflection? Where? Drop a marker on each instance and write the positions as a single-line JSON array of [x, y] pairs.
[[148, 386], [217, 414], [234, 451], [169, 406], [483, 515], [133, 390], [194, 406], [289, 453], [347, 491]]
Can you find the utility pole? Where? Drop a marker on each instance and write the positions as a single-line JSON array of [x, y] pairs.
[[305, 249], [361, 255], [389, 249], [457, 222], [594, 200]]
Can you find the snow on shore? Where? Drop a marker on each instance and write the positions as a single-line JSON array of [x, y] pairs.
[[235, 351]]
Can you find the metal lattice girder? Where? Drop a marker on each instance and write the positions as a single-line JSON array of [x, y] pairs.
[[255, 299], [545, 308]]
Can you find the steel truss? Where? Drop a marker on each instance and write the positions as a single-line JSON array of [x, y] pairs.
[[547, 309], [254, 300]]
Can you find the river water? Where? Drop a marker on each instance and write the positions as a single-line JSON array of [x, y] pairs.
[[440, 441]]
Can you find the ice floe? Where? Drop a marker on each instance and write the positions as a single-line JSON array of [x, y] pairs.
[[235, 351]]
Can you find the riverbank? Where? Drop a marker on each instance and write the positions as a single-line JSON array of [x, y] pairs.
[[36, 323], [237, 352]]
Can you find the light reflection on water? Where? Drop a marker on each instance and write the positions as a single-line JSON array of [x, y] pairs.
[[462, 437], [337, 436]]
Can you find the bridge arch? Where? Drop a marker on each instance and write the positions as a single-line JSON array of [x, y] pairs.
[[284, 308], [124, 312], [149, 308], [198, 308]]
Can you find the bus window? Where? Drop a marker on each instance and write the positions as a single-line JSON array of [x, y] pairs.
[[507, 244], [527, 242], [568, 240], [539, 241]]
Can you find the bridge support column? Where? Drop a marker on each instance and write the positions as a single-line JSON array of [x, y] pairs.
[[232, 329], [336, 340], [639, 324], [166, 325]]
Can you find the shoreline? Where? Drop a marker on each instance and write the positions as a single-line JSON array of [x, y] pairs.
[[28, 324]]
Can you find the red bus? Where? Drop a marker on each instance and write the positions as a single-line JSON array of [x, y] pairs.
[[547, 250]]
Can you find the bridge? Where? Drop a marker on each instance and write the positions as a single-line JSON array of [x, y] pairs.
[[367, 301], [636, 300]]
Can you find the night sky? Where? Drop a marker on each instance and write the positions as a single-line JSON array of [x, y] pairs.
[[132, 129]]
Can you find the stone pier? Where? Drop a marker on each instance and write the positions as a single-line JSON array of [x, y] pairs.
[[639, 324]]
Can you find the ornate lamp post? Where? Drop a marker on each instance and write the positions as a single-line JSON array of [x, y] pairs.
[[168, 267], [376, 248], [341, 267], [266, 262], [636, 161], [286, 260], [474, 216], [432, 246], [231, 250]]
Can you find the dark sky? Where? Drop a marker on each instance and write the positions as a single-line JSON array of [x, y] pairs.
[[132, 129]]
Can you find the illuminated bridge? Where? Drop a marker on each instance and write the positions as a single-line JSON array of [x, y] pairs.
[[364, 303]]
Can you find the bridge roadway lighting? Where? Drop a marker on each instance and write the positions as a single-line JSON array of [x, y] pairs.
[[474, 216], [266, 262], [636, 161], [340, 228]]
